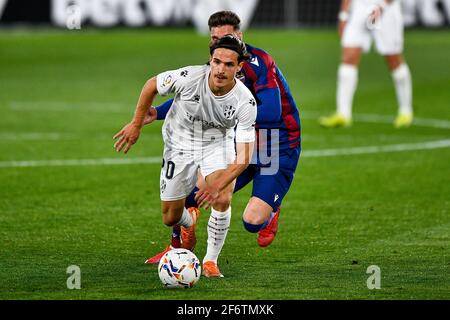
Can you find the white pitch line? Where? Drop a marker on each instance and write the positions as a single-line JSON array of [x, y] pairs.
[[80, 162], [310, 115], [55, 106], [438, 144], [374, 118], [112, 107], [377, 118], [50, 136]]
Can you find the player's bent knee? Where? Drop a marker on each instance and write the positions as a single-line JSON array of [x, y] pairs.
[[253, 218], [169, 220], [351, 56], [394, 61]]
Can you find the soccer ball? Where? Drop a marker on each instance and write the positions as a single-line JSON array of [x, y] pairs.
[[179, 268]]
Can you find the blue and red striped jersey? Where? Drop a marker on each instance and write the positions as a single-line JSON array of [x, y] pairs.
[[276, 106]]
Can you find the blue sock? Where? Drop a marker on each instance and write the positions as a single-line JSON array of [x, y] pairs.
[[190, 200], [176, 237], [253, 228]]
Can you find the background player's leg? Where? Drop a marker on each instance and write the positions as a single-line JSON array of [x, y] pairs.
[[347, 81], [403, 88]]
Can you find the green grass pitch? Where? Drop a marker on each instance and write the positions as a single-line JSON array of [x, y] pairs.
[[64, 94]]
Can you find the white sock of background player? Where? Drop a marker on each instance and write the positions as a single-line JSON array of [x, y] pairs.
[[403, 88], [346, 87]]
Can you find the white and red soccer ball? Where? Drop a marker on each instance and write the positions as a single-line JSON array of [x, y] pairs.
[[179, 268]]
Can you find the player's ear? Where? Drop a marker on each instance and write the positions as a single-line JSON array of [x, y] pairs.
[[241, 64]]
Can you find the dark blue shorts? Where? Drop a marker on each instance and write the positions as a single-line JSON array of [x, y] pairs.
[[271, 188]]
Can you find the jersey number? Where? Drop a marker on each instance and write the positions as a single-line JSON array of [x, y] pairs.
[[170, 168]]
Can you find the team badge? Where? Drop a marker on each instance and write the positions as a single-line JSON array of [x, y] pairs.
[[229, 111], [167, 80]]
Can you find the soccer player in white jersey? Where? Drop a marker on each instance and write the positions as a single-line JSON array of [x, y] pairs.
[[360, 21], [211, 109]]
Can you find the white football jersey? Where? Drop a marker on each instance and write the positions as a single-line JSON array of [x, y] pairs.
[[199, 118], [368, 2]]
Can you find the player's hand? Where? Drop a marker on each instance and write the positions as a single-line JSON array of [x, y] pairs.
[[341, 27], [375, 15], [127, 137], [151, 115], [206, 196]]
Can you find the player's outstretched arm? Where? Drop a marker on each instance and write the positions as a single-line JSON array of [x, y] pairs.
[[209, 192], [130, 133]]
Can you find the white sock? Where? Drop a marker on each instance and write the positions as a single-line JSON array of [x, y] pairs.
[[218, 225], [186, 219], [346, 86], [403, 88]]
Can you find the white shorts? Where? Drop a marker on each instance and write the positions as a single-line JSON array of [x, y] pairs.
[[387, 33], [179, 170]]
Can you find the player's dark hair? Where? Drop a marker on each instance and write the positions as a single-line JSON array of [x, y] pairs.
[[224, 18], [232, 43]]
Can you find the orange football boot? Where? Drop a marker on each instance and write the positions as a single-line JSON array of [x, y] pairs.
[[188, 239], [211, 270]]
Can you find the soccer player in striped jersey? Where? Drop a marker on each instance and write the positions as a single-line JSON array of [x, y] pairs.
[[278, 135]]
